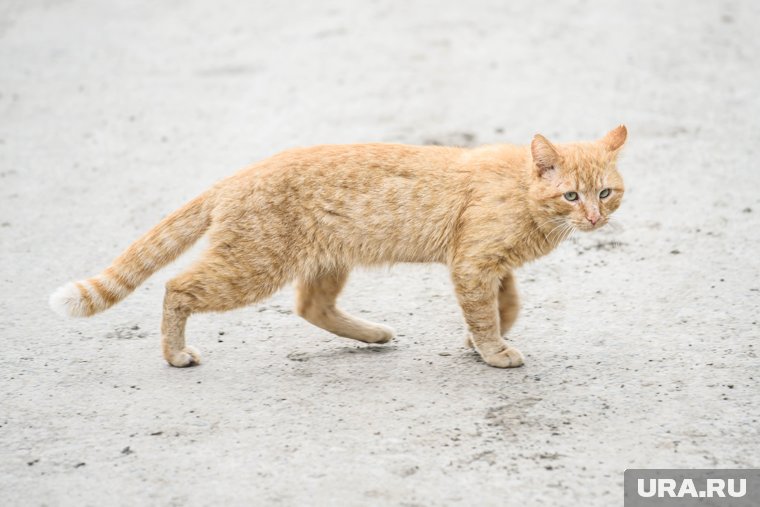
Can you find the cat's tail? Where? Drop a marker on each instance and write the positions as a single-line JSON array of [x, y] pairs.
[[158, 247]]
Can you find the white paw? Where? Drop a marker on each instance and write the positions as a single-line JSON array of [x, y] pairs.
[[381, 334], [507, 358], [189, 356]]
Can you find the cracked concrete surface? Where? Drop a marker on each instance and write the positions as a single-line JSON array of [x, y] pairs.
[[641, 340]]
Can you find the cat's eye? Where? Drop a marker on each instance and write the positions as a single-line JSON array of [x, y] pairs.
[[604, 193], [571, 196]]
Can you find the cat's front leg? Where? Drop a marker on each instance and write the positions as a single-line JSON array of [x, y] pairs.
[[478, 295], [509, 303]]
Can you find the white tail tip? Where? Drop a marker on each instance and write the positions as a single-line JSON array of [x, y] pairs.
[[67, 301]]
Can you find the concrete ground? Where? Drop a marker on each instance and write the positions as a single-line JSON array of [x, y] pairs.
[[641, 340]]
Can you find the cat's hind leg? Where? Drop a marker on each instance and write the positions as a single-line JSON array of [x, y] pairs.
[[215, 283], [315, 302]]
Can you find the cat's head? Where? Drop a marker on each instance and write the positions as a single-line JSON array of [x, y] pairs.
[[578, 184]]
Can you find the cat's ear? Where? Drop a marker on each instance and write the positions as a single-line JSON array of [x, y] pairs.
[[615, 138], [545, 155]]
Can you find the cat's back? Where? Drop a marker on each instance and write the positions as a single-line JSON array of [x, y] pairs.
[[379, 159], [367, 157], [350, 168]]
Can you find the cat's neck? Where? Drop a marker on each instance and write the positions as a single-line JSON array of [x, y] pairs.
[[544, 232]]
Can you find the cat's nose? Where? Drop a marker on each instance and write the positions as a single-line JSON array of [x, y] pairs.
[[593, 219]]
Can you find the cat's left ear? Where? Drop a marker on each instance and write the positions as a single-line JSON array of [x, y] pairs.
[[615, 138]]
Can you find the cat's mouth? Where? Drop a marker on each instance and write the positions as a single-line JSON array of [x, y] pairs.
[[588, 226]]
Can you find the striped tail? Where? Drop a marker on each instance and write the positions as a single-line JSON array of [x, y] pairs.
[[158, 247]]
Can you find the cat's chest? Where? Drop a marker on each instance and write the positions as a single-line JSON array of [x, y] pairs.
[[525, 246]]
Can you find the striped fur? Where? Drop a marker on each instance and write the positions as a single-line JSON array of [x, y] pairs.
[[161, 245], [311, 215]]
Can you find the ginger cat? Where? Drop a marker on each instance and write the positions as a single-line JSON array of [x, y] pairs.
[[312, 214]]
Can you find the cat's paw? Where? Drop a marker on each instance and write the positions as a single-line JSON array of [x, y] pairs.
[[507, 358], [381, 334], [468, 342], [189, 356]]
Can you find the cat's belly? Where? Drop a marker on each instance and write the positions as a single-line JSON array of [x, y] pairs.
[[417, 249]]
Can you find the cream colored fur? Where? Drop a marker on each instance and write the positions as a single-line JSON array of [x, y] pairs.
[[313, 214]]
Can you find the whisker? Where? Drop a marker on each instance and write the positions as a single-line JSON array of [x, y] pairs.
[[568, 232], [560, 227], [615, 224], [557, 233], [539, 228]]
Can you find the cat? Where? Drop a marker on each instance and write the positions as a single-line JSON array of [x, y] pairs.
[[312, 214]]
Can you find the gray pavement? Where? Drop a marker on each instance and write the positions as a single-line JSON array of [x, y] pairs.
[[641, 340]]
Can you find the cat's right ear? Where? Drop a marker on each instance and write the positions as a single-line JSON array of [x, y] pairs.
[[545, 156]]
